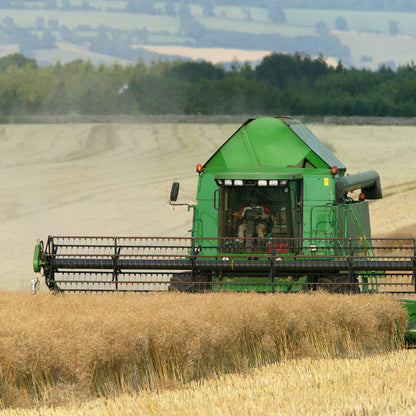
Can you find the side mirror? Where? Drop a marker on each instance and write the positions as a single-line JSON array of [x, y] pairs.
[[174, 191]]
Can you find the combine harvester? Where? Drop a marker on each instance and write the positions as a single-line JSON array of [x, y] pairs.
[[274, 213]]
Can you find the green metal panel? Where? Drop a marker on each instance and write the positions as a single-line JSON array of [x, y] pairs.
[[269, 141], [316, 145], [319, 188], [206, 214], [318, 194]]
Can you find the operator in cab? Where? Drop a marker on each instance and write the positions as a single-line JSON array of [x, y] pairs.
[[253, 217]]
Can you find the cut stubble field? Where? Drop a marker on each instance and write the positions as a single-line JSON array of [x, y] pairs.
[[377, 385]]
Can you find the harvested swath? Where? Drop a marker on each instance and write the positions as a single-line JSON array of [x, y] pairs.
[[56, 348]]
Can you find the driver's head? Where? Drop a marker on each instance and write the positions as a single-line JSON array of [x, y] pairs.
[[254, 198]]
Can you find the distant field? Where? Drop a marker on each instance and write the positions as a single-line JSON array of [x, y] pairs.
[[125, 21], [368, 34], [104, 4], [361, 21], [299, 21], [214, 55], [257, 26], [380, 47], [67, 52]]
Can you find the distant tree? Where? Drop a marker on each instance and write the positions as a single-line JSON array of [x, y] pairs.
[[276, 68], [170, 9], [276, 13], [40, 23], [51, 4], [279, 69], [185, 16], [48, 41], [341, 23], [20, 4], [196, 30], [139, 36], [53, 24], [322, 29], [116, 35], [27, 41], [103, 28], [188, 25], [5, 4], [84, 28], [85, 6], [208, 8], [102, 39], [18, 60], [387, 66], [393, 27], [66, 5], [65, 32], [340, 67], [140, 6], [195, 71], [8, 22], [311, 69]]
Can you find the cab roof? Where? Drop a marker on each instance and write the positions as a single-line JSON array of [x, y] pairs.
[[273, 142]]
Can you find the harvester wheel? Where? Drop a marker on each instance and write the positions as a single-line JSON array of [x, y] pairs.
[[341, 284], [182, 282]]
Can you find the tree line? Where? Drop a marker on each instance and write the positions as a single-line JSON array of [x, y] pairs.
[[279, 84]]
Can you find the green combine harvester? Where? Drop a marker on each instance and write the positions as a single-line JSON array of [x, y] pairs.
[[275, 212]]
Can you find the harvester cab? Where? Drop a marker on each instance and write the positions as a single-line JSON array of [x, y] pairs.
[[301, 189], [305, 211]]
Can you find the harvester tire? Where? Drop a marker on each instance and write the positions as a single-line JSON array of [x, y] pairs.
[[182, 282], [341, 284]]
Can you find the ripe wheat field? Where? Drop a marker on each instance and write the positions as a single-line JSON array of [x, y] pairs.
[[184, 354], [61, 349]]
